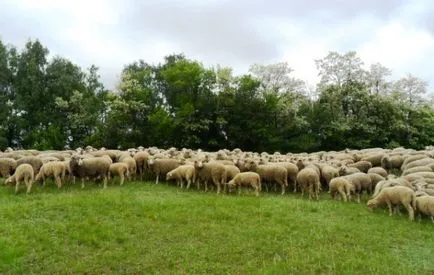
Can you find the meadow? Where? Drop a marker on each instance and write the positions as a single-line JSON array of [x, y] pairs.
[[145, 228]]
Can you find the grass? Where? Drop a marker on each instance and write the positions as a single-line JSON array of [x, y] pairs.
[[145, 228]]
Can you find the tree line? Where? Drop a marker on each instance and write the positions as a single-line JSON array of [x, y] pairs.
[[50, 103]]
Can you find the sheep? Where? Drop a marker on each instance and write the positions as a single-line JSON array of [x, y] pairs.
[[141, 159], [231, 171], [132, 167], [374, 158], [378, 170], [35, 162], [90, 167], [213, 171], [309, 180], [23, 172], [362, 165], [7, 166], [361, 182], [343, 171], [58, 156], [272, 173], [416, 170], [412, 158], [328, 173], [48, 159], [162, 166], [183, 172], [342, 186], [420, 162], [390, 182], [394, 196], [292, 171], [252, 179], [54, 169], [119, 169], [375, 178], [425, 205], [392, 162]]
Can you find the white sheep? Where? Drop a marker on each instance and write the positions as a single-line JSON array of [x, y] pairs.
[[393, 196], [23, 172]]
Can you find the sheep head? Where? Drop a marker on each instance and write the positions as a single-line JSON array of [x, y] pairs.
[[10, 180], [372, 204]]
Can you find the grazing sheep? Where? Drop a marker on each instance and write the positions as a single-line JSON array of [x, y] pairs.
[[35, 162], [392, 162], [420, 162], [54, 169], [393, 196], [416, 170], [162, 166], [7, 166], [292, 171], [328, 173], [183, 172], [231, 171], [425, 205], [412, 158], [375, 178], [23, 172], [362, 165], [119, 169], [309, 181], [374, 158], [342, 186], [378, 170], [246, 179], [390, 182], [344, 171], [213, 172], [361, 181], [97, 167], [271, 173]]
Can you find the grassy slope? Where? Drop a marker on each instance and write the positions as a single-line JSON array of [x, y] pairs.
[[159, 229]]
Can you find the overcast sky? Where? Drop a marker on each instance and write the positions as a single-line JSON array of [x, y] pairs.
[[111, 33]]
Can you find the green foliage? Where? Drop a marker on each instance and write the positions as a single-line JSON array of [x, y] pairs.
[[51, 103]]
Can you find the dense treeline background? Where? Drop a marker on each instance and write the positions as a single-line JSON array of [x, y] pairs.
[[50, 103]]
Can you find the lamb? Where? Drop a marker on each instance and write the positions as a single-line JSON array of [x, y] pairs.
[[7, 166], [378, 170], [54, 169], [362, 165], [272, 173], [162, 166], [215, 172], [308, 180], [425, 205], [390, 182], [119, 169], [35, 162], [342, 186], [231, 171], [374, 158], [90, 167], [247, 179], [183, 172], [394, 196], [292, 171], [23, 172]]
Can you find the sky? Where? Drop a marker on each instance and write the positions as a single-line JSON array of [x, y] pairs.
[[112, 33]]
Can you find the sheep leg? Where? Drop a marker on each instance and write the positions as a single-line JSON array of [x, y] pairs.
[[389, 205], [410, 211], [16, 186], [239, 190], [105, 182], [218, 188], [58, 182], [29, 186], [188, 183], [82, 183], [343, 195], [256, 188], [182, 183], [432, 219], [122, 178]]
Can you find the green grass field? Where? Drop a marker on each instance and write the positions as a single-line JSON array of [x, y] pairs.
[[145, 228]]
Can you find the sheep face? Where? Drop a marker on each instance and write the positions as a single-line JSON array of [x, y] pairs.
[[151, 162], [198, 164], [372, 204], [169, 176], [9, 180]]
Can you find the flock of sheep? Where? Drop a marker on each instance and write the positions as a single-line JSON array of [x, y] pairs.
[[346, 174]]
